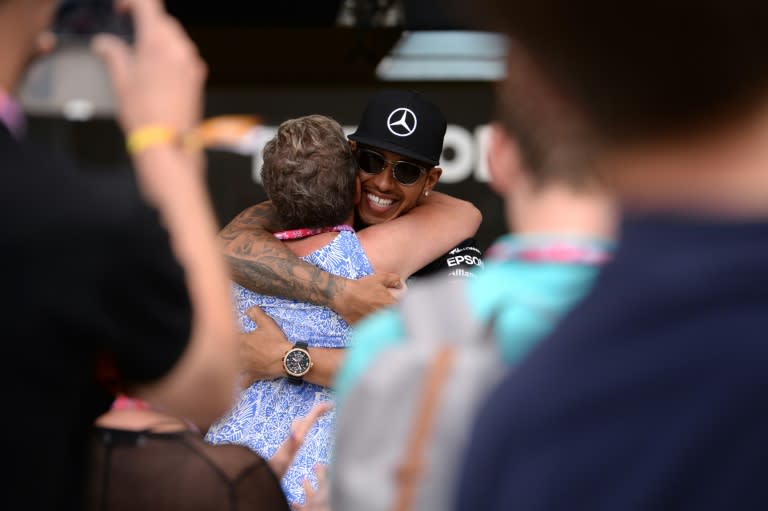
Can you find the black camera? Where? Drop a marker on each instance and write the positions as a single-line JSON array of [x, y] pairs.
[[79, 20], [72, 81]]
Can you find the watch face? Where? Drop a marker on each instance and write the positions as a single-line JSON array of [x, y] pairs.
[[297, 362]]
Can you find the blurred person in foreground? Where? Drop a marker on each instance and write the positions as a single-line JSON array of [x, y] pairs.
[[561, 226], [397, 147], [90, 271], [649, 395], [310, 176]]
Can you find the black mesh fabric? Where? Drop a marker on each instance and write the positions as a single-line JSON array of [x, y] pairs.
[[177, 471]]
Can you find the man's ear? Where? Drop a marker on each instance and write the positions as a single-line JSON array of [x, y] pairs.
[[433, 175], [504, 160]]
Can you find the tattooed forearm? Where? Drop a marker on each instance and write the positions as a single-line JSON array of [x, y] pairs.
[[263, 264], [275, 275]]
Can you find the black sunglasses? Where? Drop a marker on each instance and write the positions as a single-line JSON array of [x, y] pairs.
[[404, 172]]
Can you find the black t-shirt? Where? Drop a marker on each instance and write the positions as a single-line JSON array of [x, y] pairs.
[[87, 269], [650, 395], [462, 261]]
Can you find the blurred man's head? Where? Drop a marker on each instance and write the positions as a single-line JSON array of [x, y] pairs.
[[309, 173], [398, 143], [554, 143], [540, 156], [647, 70]]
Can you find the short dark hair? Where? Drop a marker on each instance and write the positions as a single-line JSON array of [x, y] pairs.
[[644, 69], [309, 173], [555, 144]]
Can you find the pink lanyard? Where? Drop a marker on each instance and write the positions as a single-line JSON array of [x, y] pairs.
[[551, 252], [296, 234]]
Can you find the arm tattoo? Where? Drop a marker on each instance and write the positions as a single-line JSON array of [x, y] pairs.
[[259, 218], [263, 264], [279, 276]]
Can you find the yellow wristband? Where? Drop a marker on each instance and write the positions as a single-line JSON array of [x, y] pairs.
[[150, 135]]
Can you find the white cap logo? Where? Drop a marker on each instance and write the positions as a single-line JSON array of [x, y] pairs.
[[401, 122]]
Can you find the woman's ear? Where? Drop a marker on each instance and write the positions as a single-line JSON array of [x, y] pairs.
[[504, 160]]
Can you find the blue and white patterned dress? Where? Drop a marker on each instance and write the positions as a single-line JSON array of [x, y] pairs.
[[263, 413]]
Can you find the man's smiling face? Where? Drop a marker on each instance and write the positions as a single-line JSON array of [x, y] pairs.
[[384, 198]]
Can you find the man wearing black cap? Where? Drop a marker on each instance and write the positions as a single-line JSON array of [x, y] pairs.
[[404, 129], [398, 144]]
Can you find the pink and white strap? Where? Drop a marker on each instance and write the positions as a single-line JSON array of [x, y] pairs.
[[296, 234]]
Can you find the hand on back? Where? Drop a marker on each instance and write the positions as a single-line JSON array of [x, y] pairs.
[[358, 298], [262, 349]]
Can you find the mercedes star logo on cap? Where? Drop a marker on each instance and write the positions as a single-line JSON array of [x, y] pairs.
[[401, 122]]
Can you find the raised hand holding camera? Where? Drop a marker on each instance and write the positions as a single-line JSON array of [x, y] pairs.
[[160, 79]]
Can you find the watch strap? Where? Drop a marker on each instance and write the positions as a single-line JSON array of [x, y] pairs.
[[295, 380]]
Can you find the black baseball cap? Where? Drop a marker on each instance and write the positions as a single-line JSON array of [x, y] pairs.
[[405, 123]]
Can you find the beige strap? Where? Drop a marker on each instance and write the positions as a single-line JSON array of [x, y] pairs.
[[412, 466]]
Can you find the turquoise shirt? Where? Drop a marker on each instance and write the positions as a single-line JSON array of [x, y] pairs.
[[528, 296]]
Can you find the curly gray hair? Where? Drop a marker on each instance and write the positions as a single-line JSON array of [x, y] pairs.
[[309, 173]]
